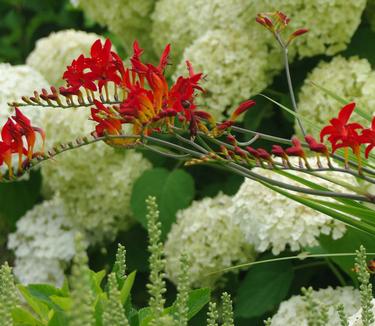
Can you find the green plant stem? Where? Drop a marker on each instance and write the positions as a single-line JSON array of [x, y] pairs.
[[289, 80]]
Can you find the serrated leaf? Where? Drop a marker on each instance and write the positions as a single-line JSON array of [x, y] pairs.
[[263, 288], [173, 191]]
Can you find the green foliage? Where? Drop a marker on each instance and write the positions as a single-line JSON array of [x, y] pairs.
[[173, 191], [86, 301], [352, 240], [263, 288], [365, 287], [8, 295], [212, 315], [23, 22]]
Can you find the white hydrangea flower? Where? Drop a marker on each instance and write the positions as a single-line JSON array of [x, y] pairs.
[[331, 23], [352, 79], [293, 312], [356, 319], [43, 243], [205, 232], [270, 220], [94, 181], [52, 54], [234, 69], [128, 19], [17, 81], [239, 56]]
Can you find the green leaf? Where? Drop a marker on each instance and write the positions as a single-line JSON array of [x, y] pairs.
[[197, 300], [126, 288], [96, 280], [40, 308], [173, 191], [22, 317], [350, 242], [63, 302], [263, 288], [350, 220]]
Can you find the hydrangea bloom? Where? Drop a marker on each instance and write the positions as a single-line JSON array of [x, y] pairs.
[[356, 319], [53, 53], [240, 52], [208, 236], [43, 243], [15, 82], [351, 79], [95, 182], [270, 220], [129, 19], [234, 68], [293, 312]]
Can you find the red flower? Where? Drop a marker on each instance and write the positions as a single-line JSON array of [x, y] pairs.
[[341, 133], [243, 107], [107, 123], [28, 131], [6, 156], [296, 149], [76, 77], [12, 136], [368, 137], [103, 64], [315, 146]]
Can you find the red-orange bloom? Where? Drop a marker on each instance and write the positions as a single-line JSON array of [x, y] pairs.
[[315, 146], [368, 137], [107, 122], [341, 133]]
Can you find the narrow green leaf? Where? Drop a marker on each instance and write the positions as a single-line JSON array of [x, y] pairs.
[[126, 288], [311, 123], [353, 221]]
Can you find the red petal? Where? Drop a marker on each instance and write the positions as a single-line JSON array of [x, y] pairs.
[[346, 112]]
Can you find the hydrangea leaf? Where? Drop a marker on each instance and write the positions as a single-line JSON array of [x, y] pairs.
[[350, 242], [173, 191], [263, 288]]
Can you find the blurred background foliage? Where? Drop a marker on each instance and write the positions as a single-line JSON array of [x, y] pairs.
[[23, 22]]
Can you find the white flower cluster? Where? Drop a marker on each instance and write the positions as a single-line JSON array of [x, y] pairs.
[[95, 181], [128, 19], [205, 232], [17, 81], [352, 79], [234, 68], [239, 56], [293, 312], [356, 319], [52, 54], [43, 244], [270, 220]]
